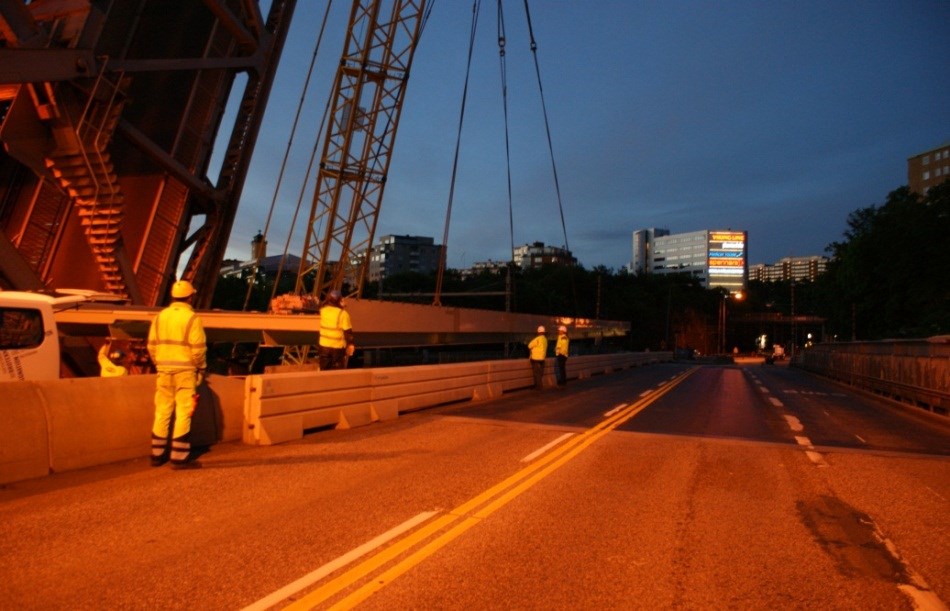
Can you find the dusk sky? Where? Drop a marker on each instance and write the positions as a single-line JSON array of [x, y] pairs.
[[778, 118]]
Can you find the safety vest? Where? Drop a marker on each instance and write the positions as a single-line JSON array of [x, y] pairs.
[[334, 322], [176, 339], [538, 348], [108, 369], [561, 347]]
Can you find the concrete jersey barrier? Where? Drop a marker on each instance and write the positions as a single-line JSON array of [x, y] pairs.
[[62, 425]]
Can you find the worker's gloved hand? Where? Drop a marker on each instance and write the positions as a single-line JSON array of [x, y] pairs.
[[199, 377], [350, 349]]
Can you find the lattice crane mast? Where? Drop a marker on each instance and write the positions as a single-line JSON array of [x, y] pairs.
[[367, 100]]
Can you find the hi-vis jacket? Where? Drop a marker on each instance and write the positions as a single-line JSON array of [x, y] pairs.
[[335, 325], [539, 348], [176, 339], [561, 347]]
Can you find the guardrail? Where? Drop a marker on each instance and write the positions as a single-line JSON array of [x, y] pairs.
[[62, 425], [914, 372]]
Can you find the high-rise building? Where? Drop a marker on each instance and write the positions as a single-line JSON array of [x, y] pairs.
[[717, 258], [643, 248], [790, 268], [928, 169], [396, 254]]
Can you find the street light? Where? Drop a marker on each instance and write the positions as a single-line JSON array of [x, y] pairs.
[[738, 296]]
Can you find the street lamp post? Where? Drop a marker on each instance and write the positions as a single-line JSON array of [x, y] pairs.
[[738, 296]]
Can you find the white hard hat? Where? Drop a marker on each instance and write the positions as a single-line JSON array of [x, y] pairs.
[[541, 329], [562, 329]]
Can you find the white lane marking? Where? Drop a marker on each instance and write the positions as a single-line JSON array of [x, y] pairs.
[[861, 439], [794, 424], [547, 447], [803, 441], [810, 452], [916, 588], [776, 402], [645, 393], [816, 458], [315, 576], [615, 410]]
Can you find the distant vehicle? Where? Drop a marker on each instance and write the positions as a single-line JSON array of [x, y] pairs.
[[777, 354]]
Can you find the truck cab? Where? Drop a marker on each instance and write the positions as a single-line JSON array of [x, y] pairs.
[[29, 340]]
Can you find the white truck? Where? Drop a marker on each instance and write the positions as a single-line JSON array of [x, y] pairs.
[[29, 340]]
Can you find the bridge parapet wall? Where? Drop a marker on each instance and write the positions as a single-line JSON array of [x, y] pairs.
[[916, 372], [62, 425]]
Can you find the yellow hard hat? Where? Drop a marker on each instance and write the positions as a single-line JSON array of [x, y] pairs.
[[182, 289]]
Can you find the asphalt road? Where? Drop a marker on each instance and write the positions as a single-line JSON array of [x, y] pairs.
[[669, 486]]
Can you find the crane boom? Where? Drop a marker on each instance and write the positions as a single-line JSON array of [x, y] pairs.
[[367, 100]]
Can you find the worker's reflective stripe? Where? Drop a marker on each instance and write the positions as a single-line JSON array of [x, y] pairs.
[[333, 323], [181, 448], [176, 342], [159, 446]]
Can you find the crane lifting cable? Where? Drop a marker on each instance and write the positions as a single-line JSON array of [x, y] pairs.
[[504, 103], [547, 129], [258, 255], [437, 300]]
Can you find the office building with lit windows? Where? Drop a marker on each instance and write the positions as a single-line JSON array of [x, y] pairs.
[[715, 257], [789, 268]]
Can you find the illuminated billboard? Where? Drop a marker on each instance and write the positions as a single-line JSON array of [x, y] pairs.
[[727, 257]]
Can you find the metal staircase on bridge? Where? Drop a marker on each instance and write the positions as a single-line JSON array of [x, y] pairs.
[[82, 166]]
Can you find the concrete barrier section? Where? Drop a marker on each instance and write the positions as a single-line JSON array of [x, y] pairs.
[[24, 436], [60, 425], [94, 421]]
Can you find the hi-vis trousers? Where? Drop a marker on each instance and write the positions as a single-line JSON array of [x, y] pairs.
[[174, 392]]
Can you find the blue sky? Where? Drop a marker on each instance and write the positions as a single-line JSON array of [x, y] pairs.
[[779, 118]]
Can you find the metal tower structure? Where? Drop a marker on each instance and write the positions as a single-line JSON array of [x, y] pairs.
[[367, 100], [109, 115]]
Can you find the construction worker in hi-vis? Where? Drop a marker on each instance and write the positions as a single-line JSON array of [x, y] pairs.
[[336, 344], [176, 343]]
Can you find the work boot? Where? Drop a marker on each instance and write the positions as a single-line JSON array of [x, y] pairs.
[[158, 461]]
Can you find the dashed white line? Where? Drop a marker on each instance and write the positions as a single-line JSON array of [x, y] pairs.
[[776, 402], [794, 424], [816, 458], [810, 452], [861, 439], [615, 410], [547, 447]]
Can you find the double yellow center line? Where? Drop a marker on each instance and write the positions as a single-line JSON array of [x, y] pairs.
[[468, 514]]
